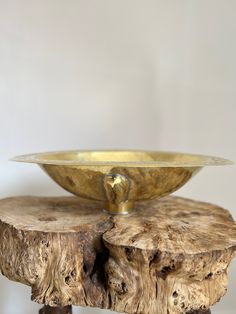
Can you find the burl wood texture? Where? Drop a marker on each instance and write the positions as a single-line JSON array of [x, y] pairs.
[[170, 256]]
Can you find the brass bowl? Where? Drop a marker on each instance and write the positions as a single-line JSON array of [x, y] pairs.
[[119, 178]]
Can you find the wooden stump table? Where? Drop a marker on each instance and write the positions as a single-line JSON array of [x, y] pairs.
[[170, 256]]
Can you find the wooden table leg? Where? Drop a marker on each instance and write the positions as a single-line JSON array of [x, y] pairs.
[[56, 310], [68, 310], [200, 312]]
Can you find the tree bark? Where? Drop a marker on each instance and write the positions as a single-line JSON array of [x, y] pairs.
[[169, 256]]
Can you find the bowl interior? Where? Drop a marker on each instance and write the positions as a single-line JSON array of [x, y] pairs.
[[123, 158]]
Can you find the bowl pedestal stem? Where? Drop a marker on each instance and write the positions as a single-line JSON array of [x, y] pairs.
[[121, 208]]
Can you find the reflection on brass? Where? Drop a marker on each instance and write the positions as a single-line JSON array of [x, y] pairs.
[[119, 178]]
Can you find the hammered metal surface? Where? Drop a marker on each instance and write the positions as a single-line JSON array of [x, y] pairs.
[[120, 178]]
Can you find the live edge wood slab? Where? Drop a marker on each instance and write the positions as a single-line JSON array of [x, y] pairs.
[[170, 256]]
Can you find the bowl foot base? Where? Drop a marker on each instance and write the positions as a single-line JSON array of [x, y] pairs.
[[123, 208]]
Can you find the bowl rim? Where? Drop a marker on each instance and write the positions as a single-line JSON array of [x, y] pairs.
[[204, 160]]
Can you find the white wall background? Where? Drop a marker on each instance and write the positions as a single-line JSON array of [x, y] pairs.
[[153, 74]]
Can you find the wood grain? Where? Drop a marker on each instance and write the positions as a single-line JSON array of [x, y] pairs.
[[170, 256]]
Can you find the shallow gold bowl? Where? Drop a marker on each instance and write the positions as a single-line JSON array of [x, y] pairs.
[[119, 178]]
